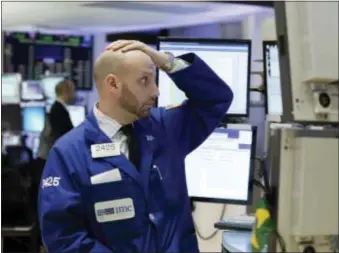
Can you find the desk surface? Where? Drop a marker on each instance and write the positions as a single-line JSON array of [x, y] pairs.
[[237, 241]]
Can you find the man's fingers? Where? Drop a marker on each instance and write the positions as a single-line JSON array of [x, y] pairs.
[[117, 45], [130, 47]]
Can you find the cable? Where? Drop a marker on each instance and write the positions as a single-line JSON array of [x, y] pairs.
[[280, 240], [268, 196], [214, 233], [260, 185]]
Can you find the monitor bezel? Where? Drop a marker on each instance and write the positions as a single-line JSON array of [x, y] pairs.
[[31, 100], [249, 199], [266, 43], [216, 42]]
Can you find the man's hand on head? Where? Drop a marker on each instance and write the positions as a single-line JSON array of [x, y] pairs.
[[159, 58]]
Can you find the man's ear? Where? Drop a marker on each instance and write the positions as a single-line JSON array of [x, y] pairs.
[[112, 81]]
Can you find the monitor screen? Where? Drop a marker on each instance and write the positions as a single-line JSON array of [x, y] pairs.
[[33, 118], [48, 85], [272, 79], [77, 114], [31, 90], [9, 139], [228, 59], [32, 142], [221, 168], [10, 88]]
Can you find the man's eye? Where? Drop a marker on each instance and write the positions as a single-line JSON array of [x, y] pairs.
[[144, 80]]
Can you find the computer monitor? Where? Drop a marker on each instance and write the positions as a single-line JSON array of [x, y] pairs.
[[32, 142], [221, 169], [229, 59], [31, 90], [9, 139], [10, 88], [77, 114], [33, 118], [48, 85], [272, 81]]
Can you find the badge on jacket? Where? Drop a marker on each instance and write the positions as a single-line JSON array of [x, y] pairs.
[[113, 210], [105, 150]]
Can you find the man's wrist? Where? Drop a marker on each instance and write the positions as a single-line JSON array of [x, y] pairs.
[[159, 58], [168, 65]]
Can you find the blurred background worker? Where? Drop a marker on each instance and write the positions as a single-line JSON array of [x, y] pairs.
[[58, 120]]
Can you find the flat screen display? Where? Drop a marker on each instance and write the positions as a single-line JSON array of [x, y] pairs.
[[274, 102], [31, 90], [33, 118], [10, 88], [228, 59], [9, 139], [221, 168]]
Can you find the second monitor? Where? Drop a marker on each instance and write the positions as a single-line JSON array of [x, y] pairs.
[[221, 169], [229, 59]]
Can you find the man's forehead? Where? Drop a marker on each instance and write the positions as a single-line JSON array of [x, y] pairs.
[[149, 69], [137, 57], [142, 67]]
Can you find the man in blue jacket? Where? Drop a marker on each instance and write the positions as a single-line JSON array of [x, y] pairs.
[[95, 195]]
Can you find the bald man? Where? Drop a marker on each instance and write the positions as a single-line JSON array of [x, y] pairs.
[[101, 194]]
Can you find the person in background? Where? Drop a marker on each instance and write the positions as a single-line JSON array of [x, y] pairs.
[[58, 121], [100, 193]]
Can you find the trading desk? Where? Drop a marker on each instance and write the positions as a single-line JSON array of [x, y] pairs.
[[236, 241]]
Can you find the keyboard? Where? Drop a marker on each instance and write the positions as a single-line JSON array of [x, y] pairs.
[[242, 223]]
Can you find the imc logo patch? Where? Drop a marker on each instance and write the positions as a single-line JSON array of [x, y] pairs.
[[113, 210]]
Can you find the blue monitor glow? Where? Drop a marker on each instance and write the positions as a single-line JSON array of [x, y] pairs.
[[274, 104], [48, 85], [228, 59], [220, 170], [77, 114], [10, 88], [33, 119], [31, 90]]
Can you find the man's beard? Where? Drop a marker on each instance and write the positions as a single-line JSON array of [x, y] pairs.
[[129, 102]]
